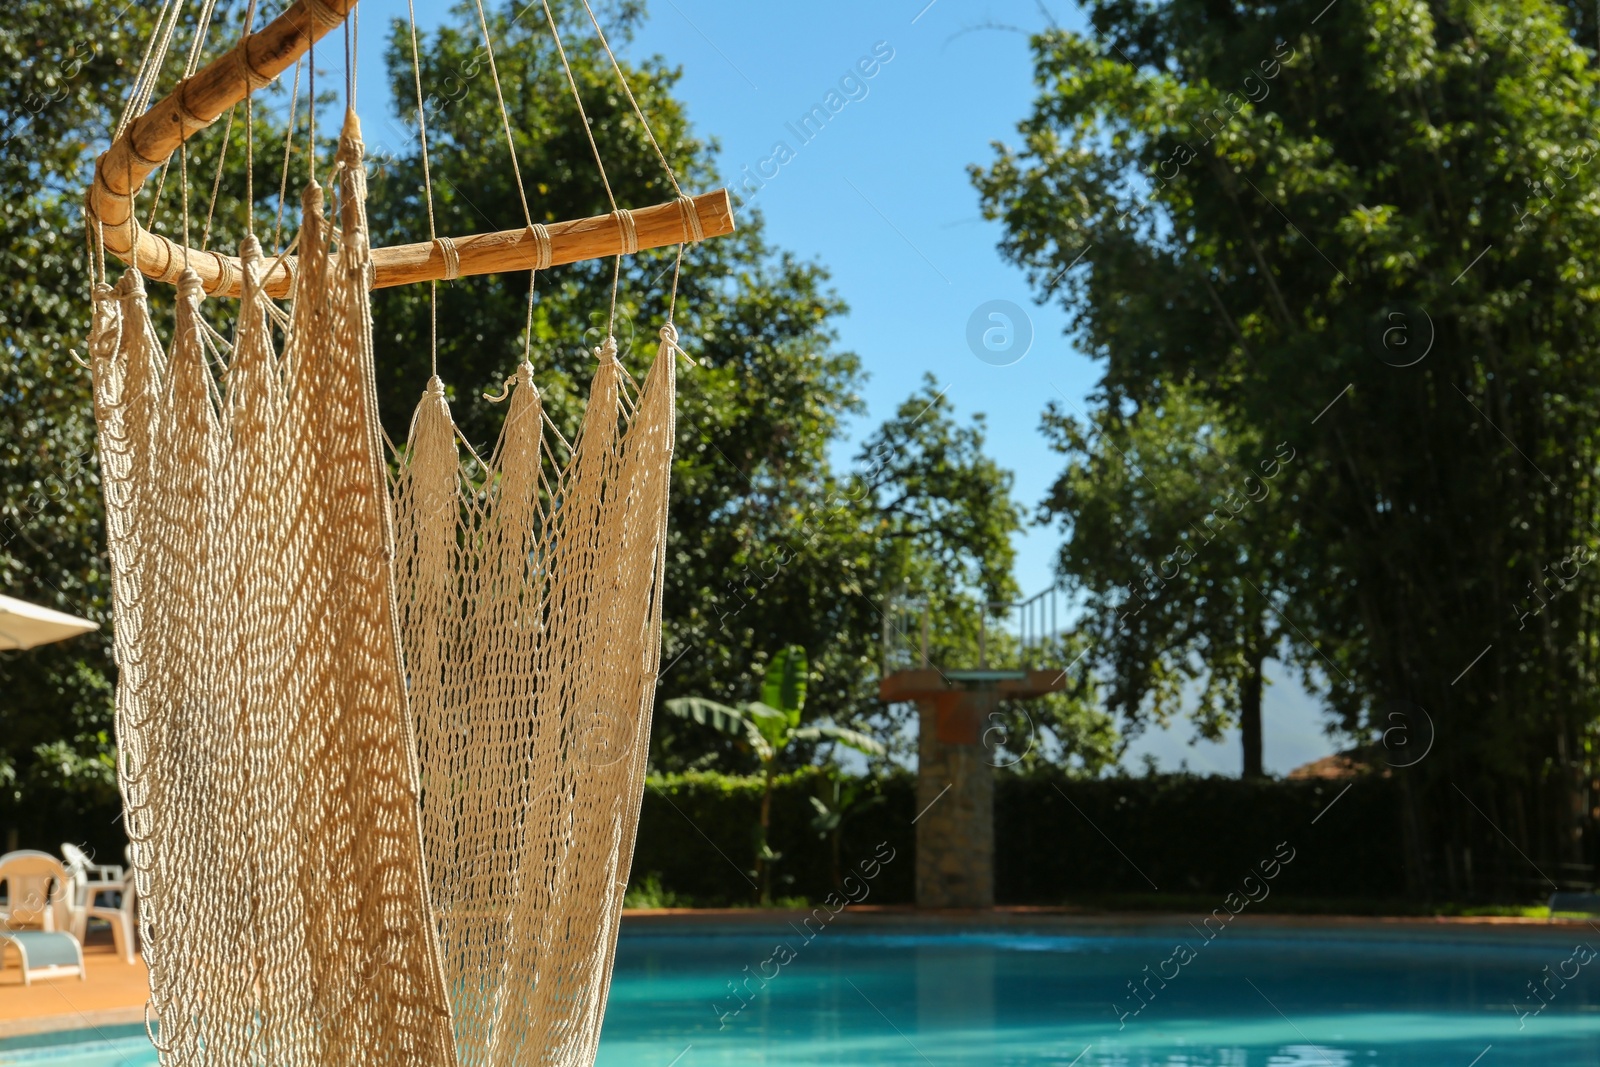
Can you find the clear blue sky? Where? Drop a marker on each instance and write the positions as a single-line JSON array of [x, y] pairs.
[[880, 195]]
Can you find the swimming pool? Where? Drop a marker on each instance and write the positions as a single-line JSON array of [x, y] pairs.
[[1059, 995]]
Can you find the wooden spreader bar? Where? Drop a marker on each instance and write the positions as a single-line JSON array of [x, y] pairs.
[[259, 59]]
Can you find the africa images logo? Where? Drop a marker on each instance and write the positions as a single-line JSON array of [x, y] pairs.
[[999, 332]]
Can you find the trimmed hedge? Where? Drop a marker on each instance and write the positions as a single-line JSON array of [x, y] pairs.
[[1057, 839], [1190, 836], [697, 834]]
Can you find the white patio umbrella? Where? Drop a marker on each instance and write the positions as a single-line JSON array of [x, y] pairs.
[[24, 625]]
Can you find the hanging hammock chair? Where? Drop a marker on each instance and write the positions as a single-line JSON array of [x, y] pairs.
[[382, 725]]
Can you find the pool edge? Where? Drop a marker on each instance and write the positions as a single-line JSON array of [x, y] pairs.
[[86, 1021]]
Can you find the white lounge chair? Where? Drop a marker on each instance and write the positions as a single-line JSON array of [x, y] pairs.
[[44, 954], [93, 887], [123, 917], [89, 877], [38, 894]]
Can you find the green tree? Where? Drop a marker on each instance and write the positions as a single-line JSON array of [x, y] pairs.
[[763, 551], [62, 75], [938, 514], [67, 73], [939, 505], [1173, 532], [1070, 731], [770, 726], [1262, 196]]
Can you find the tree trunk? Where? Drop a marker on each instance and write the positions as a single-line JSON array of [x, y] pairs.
[[1574, 781], [1250, 718], [838, 869], [763, 868], [1418, 885]]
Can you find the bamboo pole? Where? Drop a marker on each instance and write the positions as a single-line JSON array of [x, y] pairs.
[[197, 102], [149, 140], [486, 253]]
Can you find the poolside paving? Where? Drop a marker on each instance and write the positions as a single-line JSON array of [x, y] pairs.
[[114, 995]]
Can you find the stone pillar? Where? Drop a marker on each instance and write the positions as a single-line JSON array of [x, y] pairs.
[[955, 774], [955, 795]]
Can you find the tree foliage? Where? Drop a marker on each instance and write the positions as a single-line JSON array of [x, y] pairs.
[[61, 74], [1268, 200], [1175, 533], [770, 545]]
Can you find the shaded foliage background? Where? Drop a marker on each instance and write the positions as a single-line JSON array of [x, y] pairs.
[[771, 543], [1266, 192], [1184, 841]]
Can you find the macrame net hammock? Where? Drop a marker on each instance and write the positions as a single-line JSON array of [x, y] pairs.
[[382, 728]]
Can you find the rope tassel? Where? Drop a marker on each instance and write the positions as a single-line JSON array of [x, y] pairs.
[[530, 586], [264, 741]]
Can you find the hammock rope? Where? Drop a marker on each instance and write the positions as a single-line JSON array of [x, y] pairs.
[[451, 259], [267, 762], [532, 774], [382, 729], [530, 615]]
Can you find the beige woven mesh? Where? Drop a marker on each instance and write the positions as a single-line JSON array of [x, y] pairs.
[[268, 768], [530, 604], [269, 771]]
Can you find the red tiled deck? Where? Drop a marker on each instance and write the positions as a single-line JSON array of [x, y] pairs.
[[114, 994]]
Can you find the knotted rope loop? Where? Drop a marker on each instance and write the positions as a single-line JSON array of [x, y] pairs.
[[669, 341], [250, 257], [150, 1031], [131, 286], [630, 233], [105, 327], [505, 390], [227, 273], [252, 77], [186, 118], [452, 258], [693, 232], [190, 287], [541, 243], [321, 14]]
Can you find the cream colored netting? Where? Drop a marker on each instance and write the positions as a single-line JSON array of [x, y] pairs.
[[267, 763], [530, 606]]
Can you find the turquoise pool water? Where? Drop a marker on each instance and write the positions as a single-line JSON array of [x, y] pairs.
[[1312, 997]]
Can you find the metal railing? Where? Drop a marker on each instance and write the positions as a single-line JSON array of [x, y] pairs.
[[1006, 635]]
